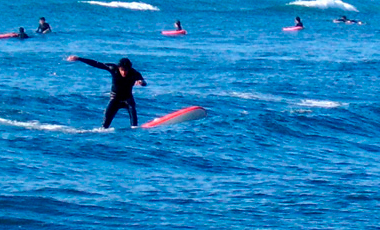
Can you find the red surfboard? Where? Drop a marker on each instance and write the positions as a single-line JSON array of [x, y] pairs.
[[187, 114], [174, 32], [9, 35]]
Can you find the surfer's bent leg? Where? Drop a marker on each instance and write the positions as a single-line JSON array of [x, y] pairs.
[[131, 107], [112, 108]]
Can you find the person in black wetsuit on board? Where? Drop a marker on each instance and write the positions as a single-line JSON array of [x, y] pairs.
[[344, 19], [177, 25], [124, 77], [298, 22], [22, 34], [44, 27]]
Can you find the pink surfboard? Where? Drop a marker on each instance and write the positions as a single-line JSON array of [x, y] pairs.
[[9, 35], [174, 32], [187, 114], [293, 28]]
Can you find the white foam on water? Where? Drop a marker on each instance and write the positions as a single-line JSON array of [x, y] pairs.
[[302, 111], [126, 5], [321, 104], [305, 103], [326, 4], [36, 125], [257, 96]]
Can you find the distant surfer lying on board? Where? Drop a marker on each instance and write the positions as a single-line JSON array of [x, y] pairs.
[[347, 21], [124, 77]]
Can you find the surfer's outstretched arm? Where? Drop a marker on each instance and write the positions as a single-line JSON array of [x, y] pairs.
[[90, 62]]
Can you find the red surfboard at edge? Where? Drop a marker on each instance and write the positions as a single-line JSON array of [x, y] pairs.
[[174, 32], [9, 35], [293, 28], [187, 114]]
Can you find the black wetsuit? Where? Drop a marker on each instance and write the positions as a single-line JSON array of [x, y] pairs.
[[179, 27], [23, 35], [347, 20], [299, 24], [341, 20], [121, 92], [42, 28]]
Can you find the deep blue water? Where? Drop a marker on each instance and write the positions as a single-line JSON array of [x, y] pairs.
[[291, 140]]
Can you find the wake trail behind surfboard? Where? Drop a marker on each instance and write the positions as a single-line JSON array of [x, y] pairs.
[[36, 125]]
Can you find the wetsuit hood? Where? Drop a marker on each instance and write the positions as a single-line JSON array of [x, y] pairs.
[[125, 63]]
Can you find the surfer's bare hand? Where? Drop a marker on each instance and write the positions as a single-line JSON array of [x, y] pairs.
[[72, 58]]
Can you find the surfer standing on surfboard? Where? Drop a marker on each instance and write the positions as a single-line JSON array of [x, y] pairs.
[[124, 77]]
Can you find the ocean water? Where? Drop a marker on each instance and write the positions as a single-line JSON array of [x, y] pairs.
[[291, 140]]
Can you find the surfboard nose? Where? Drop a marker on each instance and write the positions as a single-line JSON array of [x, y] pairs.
[[183, 115]]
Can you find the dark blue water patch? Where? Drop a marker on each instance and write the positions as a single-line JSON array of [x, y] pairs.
[[41, 207], [19, 223]]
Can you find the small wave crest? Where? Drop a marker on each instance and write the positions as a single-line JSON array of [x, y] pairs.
[[277, 99], [320, 104], [36, 125], [127, 5], [326, 4]]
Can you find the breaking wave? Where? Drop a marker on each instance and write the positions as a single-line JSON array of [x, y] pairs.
[[326, 4], [127, 5]]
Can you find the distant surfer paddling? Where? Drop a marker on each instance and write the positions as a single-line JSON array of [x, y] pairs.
[[344, 19], [124, 77]]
